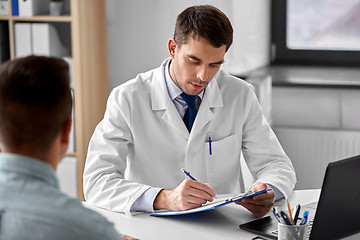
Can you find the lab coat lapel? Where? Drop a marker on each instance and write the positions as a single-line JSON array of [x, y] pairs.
[[212, 99], [172, 117], [160, 101]]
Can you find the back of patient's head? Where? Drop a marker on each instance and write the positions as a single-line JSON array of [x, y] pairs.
[[35, 102]]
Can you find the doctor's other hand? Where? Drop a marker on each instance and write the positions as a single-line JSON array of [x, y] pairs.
[[126, 237], [189, 194], [260, 204]]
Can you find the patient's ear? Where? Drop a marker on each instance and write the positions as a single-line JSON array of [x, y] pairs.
[[64, 137]]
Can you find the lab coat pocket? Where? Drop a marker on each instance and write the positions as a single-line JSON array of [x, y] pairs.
[[223, 165]]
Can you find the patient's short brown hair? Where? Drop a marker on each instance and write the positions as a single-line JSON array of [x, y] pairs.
[[35, 101]]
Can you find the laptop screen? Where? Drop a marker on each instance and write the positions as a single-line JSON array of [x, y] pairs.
[[338, 210]]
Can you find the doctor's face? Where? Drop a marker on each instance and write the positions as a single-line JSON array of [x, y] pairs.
[[194, 63]]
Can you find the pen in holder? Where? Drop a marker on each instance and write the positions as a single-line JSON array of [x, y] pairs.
[[288, 227], [296, 232]]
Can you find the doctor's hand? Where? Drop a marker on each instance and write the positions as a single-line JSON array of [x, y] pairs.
[[189, 194], [260, 204], [126, 237]]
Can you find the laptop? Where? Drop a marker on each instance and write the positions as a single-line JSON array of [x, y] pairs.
[[336, 214]]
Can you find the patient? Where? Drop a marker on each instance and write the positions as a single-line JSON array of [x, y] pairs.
[[35, 121]]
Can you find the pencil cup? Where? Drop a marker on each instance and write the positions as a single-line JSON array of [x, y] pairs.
[[296, 232]]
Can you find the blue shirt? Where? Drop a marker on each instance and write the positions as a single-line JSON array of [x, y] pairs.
[[33, 207]]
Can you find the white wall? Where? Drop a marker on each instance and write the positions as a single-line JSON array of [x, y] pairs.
[[138, 31]]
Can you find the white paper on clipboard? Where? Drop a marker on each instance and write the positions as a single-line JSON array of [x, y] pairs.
[[209, 205]]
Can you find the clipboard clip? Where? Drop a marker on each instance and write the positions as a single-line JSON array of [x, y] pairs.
[[240, 196]]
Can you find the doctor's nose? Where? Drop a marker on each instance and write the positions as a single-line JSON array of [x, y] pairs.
[[203, 74]]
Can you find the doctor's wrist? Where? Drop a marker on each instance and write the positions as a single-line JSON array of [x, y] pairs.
[[160, 201]]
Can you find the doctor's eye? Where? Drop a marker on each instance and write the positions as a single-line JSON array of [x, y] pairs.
[[215, 65], [194, 62]]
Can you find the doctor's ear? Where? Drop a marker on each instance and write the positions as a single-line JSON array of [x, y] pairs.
[[172, 47]]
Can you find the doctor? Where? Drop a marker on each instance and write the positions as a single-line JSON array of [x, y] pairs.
[[148, 133]]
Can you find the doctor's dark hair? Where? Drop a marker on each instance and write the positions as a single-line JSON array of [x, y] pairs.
[[35, 102], [204, 21]]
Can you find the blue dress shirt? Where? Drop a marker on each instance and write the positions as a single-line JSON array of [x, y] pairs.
[[33, 207]]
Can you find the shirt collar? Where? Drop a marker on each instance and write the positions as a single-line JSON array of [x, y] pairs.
[[27, 166], [173, 89]]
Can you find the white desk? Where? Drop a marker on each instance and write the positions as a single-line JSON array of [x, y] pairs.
[[221, 223]]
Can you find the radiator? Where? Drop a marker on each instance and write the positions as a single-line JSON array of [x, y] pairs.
[[310, 151]]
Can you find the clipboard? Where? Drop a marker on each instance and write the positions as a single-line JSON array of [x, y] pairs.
[[209, 205]]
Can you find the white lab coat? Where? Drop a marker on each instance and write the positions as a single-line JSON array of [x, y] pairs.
[[143, 142]]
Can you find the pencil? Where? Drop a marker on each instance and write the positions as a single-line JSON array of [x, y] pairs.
[[291, 218]]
